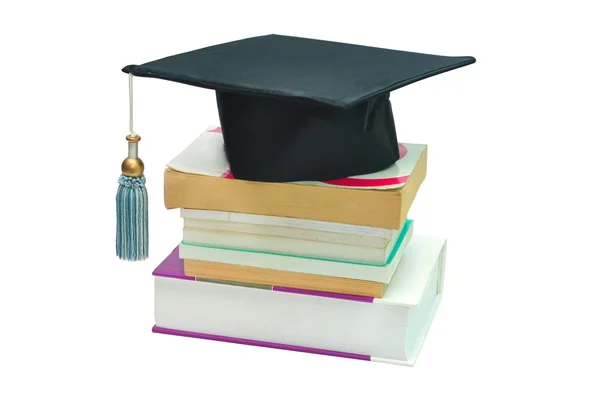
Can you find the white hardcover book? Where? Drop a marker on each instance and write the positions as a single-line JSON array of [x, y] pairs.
[[391, 329], [286, 245], [303, 263]]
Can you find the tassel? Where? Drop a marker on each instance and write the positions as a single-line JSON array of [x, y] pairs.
[[132, 200]]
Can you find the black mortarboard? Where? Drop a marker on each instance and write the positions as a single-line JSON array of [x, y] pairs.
[[297, 109]]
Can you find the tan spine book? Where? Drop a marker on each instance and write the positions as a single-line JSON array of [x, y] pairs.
[[190, 183], [295, 280]]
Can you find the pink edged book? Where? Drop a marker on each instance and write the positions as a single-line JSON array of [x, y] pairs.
[[206, 156], [391, 329]]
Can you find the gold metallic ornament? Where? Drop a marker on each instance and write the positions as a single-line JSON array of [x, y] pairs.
[[133, 139], [133, 166]]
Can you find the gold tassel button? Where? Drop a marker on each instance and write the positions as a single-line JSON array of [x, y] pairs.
[[132, 166]]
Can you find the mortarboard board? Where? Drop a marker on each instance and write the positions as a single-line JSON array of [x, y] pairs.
[[290, 108], [297, 109]]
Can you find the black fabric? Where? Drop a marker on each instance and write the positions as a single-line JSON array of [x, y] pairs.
[[305, 141], [297, 109]]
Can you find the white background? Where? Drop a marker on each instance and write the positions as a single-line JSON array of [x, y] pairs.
[[512, 182]]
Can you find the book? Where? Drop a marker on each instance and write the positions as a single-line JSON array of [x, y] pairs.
[[289, 246], [380, 199], [304, 246], [257, 277], [311, 230], [295, 263], [391, 329]]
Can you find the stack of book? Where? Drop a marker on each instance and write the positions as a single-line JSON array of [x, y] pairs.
[[323, 267]]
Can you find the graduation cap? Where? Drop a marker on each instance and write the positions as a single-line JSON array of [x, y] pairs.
[[299, 109]]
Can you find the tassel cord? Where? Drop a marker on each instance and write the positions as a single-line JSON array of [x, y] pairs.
[[131, 132]]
